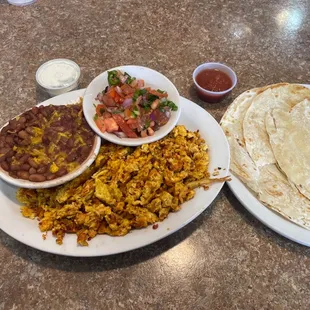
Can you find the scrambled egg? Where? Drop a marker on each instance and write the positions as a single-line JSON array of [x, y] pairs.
[[126, 188]]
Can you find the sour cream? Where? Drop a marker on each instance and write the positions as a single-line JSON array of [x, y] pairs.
[[58, 76]]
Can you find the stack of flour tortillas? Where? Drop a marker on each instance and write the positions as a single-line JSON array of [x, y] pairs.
[[268, 130]]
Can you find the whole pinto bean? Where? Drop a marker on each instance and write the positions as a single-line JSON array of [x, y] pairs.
[[25, 142], [4, 150], [23, 175], [51, 176], [22, 119], [5, 166], [32, 170], [29, 130], [24, 158], [15, 167], [32, 163], [23, 134], [35, 110], [42, 170], [2, 158], [71, 157], [62, 171], [10, 153], [37, 178], [9, 140], [12, 124], [25, 167]]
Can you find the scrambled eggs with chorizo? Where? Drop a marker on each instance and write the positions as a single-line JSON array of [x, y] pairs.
[[126, 188]]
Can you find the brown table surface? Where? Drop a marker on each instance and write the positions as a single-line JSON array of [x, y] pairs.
[[225, 259]]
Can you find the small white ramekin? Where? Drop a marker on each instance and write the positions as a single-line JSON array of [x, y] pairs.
[[57, 68]]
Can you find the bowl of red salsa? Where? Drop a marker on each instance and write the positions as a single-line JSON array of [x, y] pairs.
[[214, 81], [131, 105]]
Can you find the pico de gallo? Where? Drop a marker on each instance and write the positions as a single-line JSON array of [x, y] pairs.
[[129, 109]]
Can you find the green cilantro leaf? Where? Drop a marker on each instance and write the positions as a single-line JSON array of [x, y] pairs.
[[137, 93]]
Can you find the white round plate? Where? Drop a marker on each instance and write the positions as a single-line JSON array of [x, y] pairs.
[[271, 219], [27, 230], [59, 100], [152, 79]]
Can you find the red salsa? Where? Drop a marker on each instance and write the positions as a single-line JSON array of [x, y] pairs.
[[214, 80]]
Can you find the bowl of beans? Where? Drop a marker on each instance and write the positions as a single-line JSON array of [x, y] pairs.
[[47, 146]]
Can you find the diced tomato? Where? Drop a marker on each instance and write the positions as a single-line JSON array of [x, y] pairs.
[[132, 123], [111, 93], [127, 113], [127, 89], [106, 115], [125, 128], [108, 101], [140, 83], [110, 124], [100, 109], [100, 124], [143, 134], [118, 99], [159, 117]]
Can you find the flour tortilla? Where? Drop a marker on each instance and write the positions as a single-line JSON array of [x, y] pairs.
[[241, 162], [289, 134], [278, 194], [266, 181], [282, 96]]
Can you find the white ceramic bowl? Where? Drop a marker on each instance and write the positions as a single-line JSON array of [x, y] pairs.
[[58, 76], [152, 79], [59, 100]]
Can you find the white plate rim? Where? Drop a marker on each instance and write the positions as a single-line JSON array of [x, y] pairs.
[[70, 247], [265, 215]]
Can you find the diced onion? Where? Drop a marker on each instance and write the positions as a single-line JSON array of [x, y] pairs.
[[120, 134], [127, 102], [119, 90], [123, 78], [167, 113]]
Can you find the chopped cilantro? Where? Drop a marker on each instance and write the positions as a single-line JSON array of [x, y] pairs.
[[167, 103], [138, 92], [172, 105], [146, 107], [101, 110], [135, 112], [151, 97], [147, 124], [161, 91], [95, 117]]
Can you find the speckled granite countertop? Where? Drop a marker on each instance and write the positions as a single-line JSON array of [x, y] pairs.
[[225, 259]]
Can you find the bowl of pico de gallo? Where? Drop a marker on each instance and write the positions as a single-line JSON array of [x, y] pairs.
[[131, 105]]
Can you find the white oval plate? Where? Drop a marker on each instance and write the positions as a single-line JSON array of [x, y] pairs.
[[27, 231], [152, 79], [59, 100], [271, 219]]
